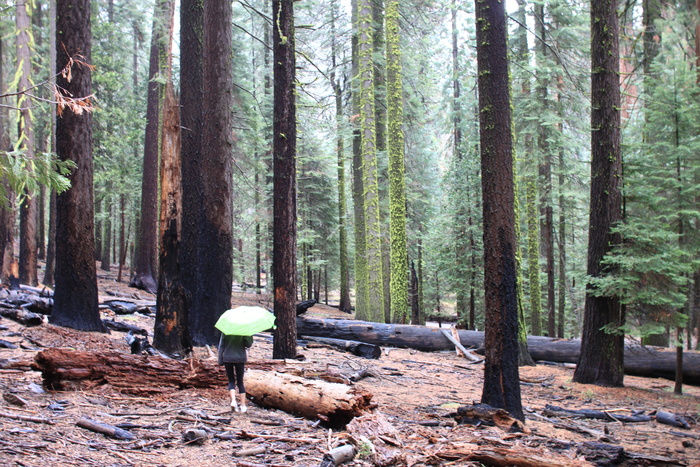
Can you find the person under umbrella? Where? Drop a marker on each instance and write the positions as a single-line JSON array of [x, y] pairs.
[[237, 327], [233, 356]]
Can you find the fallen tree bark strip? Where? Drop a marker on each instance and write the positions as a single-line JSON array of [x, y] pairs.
[[639, 360], [505, 457]]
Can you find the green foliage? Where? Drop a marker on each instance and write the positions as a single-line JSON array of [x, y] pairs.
[[24, 175], [651, 270]]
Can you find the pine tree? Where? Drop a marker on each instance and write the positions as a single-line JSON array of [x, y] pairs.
[[601, 360], [501, 380]]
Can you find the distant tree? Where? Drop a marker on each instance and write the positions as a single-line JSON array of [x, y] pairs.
[[75, 298], [284, 174], [601, 361], [501, 379]]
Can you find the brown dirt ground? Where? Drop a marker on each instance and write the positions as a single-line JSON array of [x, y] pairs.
[[408, 387]]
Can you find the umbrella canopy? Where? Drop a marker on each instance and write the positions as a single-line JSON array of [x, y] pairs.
[[245, 321]]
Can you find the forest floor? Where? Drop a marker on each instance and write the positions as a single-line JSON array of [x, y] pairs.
[[412, 389]]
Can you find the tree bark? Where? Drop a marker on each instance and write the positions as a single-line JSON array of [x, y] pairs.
[[145, 267], [374, 293], [501, 381], [28, 203], [602, 349], [75, 299], [170, 333], [284, 169]]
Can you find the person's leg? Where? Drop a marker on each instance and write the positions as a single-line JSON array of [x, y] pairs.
[[240, 370], [231, 375]]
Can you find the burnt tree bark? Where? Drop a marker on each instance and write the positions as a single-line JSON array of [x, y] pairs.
[[171, 333], [145, 263], [501, 380], [284, 180]]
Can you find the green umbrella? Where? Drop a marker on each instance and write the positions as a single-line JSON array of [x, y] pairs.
[[245, 321]]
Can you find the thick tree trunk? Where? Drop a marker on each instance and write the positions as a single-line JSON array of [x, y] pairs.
[[501, 387], [602, 351], [75, 299], [639, 360]]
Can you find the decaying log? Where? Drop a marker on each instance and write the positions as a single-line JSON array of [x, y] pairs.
[[137, 374], [334, 403], [552, 410], [485, 414], [359, 349], [120, 326], [521, 456], [374, 434], [105, 429], [639, 360], [22, 316]]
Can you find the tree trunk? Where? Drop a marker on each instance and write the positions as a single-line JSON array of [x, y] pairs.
[[602, 357], [7, 209], [344, 272], [397, 182], [106, 255], [501, 381], [75, 298], [145, 267], [374, 298], [25, 130], [51, 245], [361, 274], [284, 169], [170, 333]]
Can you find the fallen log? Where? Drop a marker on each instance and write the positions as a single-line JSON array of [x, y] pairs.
[[522, 456], [651, 362], [22, 316], [105, 429], [334, 403], [359, 349], [63, 369], [553, 410]]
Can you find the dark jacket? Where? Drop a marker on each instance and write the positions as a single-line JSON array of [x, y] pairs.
[[232, 348]]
